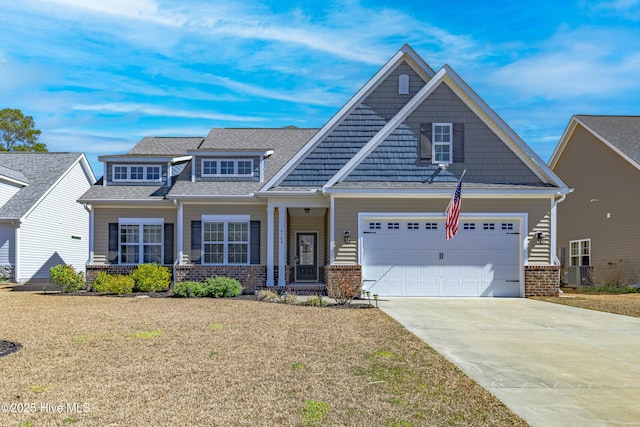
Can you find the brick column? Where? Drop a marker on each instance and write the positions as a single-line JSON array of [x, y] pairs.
[[541, 280]]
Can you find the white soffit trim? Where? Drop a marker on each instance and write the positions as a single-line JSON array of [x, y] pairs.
[[566, 135], [388, 128], [534, 162], [406, 52]]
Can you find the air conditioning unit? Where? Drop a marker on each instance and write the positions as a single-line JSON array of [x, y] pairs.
[[578, 276]]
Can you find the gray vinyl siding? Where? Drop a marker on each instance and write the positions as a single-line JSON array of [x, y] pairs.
[[7, 245], [103, 216], [346, 218], [486, 158], [7, 190], [598, 173], [57, 229], [355, 131]]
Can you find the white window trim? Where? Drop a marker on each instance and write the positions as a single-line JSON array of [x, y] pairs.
[[434, 143], [226, 219], [218, 169], [128, 168], [580, 244], [141, 222]]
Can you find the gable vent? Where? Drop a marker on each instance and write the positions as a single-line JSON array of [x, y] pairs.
[[403, 84]]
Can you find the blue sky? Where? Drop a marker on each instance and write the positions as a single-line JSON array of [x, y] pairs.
[[98, 75]]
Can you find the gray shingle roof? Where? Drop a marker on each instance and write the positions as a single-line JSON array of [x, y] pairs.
[[166, 146], [621, 131], [13, 174], [40, 170], [258, 138], [284, 142]]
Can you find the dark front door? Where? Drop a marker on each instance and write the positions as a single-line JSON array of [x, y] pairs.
[[306, 256]]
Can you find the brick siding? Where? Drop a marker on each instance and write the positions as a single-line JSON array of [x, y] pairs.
[[541, 281], [334, 274]]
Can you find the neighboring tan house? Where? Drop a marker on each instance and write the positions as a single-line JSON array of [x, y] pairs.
[[361, 200], [599, 156], [41, 223]]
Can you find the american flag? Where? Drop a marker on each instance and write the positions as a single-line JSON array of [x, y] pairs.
[[453, 211]]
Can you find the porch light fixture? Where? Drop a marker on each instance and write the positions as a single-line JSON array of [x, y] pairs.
[[541, 237], [307, 210], [347, 236]]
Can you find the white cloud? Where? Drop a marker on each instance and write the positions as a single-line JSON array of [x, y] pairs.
[[583, 62], [151, 110]]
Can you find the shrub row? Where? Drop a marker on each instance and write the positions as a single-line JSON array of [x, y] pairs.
[[145, 278], [215, 287]]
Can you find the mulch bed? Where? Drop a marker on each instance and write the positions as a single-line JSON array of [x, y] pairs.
[[7, 347]]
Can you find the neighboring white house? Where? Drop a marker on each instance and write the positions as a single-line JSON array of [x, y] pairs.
[[41, 223]]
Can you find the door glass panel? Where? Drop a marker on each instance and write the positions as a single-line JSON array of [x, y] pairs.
[[307, 244]]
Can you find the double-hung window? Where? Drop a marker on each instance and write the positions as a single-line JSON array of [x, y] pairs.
[[227, 167], [225, 239], [580, 253], [442, 143], [140, 240]]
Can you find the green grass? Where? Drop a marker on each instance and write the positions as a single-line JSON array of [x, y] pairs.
[[314, 413], [147, 334]]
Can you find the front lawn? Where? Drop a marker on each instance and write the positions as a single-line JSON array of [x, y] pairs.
[[626, 304], [93, 360]]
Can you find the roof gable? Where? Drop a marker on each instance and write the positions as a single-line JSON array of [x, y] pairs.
[[42, 171], [405, 61], [377, 140], [620, 133]]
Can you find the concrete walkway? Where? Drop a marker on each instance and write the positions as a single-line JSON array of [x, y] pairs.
[[553, 365]]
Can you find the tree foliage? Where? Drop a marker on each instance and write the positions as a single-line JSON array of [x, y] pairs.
[[17, 132]]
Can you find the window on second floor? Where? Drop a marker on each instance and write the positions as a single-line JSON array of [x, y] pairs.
[[136, 173], [442, 142], [227, 167]]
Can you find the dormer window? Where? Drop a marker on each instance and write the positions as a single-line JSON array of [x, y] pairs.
[[136, 173], [227, 167]]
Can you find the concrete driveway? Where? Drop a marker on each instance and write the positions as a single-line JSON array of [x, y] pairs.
[[551, 364]]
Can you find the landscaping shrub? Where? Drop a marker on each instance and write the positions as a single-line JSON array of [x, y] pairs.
[[113, 284], [221, 287], [151, 277], [612, 274], [188, 289], [343, 292], [66, 277], [317, 301], [267, 295], [291, 299]]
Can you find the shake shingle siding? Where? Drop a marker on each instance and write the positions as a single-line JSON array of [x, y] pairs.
[[355, 131], [336, 149]]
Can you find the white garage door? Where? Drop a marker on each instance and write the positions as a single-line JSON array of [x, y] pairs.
[[411, 257]]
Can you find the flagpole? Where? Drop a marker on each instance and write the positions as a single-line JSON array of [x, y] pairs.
[[461, 176]]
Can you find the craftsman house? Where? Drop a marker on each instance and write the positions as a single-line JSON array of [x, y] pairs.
[[41, 224], [362, 199], [599, 156]]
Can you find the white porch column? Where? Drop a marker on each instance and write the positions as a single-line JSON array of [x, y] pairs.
[[270, 245], [17, 257], [282, 244], [91, 233], [180, 247]]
